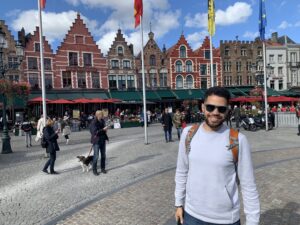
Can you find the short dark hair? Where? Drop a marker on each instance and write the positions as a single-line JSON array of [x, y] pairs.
[[218, 91]]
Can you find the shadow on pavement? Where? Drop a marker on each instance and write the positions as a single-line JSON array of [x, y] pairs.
[[285, 216]]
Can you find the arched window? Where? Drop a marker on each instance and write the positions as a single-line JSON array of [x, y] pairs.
[[182, 52], [189, 81], [120, 50], [152, 60], [178, 66], [189, 66], [179, 82]]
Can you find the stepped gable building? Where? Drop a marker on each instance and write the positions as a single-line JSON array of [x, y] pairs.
[[121, 64], [241, 61], [79, 62], [9, 54], [183, 66], [156, 65], [32, 65], [203, 65]]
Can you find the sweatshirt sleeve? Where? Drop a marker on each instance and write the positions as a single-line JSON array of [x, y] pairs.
[[247, 183], [181, 171]]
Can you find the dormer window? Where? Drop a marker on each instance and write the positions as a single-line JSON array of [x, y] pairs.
[[120, 50], [182, 52]]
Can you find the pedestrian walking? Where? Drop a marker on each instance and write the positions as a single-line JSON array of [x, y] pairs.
[[167, 124], [237, 116], [99, 137], [177, 121], [39, 128], [298, 117], [27, 127], [51, 137], [66, 129], [206, 189]]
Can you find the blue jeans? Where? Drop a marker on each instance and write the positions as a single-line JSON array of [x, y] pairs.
[[99, 147], [179, 130], [190, 220], [168, 134], [50, 162]]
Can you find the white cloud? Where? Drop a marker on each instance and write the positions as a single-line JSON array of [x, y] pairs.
[[158, 12], [283, 3], [251, 35], [284, 25], [234, 14], [196, 39], [55, 25], [297, 24]]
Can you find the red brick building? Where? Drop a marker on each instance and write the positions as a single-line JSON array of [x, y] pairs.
[[156, 65], [121, 64], [79, 63], [32, 65], [183, 66], [203, 65]]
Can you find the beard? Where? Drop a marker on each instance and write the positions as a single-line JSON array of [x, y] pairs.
[[214, 126]]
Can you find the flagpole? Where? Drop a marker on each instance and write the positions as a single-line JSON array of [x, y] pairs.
[[42, 63], [211, 64], [265, 86], [144, 85]]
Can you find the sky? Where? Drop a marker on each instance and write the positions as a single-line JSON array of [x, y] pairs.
[[168, 19]]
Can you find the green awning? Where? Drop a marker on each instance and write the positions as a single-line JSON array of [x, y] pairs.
[[272, 92], [166, 94], [101, 95], [189, 94], [17, 102], [126, 95], [289, 93], [50, 96], [69, 96], [150, 95]]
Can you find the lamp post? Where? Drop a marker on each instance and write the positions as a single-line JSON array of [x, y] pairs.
[[4, 67]]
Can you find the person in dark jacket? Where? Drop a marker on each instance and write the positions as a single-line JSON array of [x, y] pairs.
[[167, 124], [27, 128], [51, 137], [98, 138]]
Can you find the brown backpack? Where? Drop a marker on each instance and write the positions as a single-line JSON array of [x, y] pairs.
[[233, 143]]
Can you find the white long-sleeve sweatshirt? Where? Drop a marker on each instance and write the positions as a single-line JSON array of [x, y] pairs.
[[206, 178]]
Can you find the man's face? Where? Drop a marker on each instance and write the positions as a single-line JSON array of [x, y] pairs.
[[212, 107], [166, 110]]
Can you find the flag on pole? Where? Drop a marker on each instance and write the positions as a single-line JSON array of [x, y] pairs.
[[262, 22], [138, 11], [211, 17], [43, 4]]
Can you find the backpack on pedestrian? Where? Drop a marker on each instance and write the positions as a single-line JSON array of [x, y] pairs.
[[233, 144]]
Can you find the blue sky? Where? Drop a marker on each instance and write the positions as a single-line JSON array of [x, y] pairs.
[[169, 18]]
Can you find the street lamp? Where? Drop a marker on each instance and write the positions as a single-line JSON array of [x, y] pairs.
[[4, 67]]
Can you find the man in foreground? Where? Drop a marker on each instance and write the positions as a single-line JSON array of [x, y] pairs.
[[206, 175]]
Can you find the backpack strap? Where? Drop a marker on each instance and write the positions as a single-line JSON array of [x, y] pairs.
[[234, 144], [234, 147], [192, 131]]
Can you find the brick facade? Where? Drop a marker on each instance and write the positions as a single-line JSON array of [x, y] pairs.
[[9, 54], [32, 65], [121, 64], [79, 61], [204, 65], [156, 65], [238, 57]]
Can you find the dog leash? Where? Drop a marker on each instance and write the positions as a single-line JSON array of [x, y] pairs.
[[90, 151]]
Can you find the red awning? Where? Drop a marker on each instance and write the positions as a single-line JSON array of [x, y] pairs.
[[113, 100], [282, 99], [97, 100], [82, 100], [61, 101], [37, 100], [247, 99]]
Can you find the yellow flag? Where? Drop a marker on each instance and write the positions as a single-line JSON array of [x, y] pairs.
[[211, 17]]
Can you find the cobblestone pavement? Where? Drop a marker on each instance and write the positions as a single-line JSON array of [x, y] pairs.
[[139, 186]]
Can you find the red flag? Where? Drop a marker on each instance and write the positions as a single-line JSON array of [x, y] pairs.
[[138, 11], [43, 4]]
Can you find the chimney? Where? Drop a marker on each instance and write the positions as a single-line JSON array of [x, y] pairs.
[[131, 48], [22, 37]]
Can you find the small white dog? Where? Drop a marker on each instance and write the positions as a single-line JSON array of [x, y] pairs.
[[86, 162]]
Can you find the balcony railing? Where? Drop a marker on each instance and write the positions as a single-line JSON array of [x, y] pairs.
[[294, 64]]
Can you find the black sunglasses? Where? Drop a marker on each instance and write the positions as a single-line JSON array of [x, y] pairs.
[[211, 108]]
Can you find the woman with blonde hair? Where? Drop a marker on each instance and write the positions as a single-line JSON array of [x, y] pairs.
[[51, 137]]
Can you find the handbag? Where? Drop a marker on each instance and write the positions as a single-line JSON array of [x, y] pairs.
[[44, 142]]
